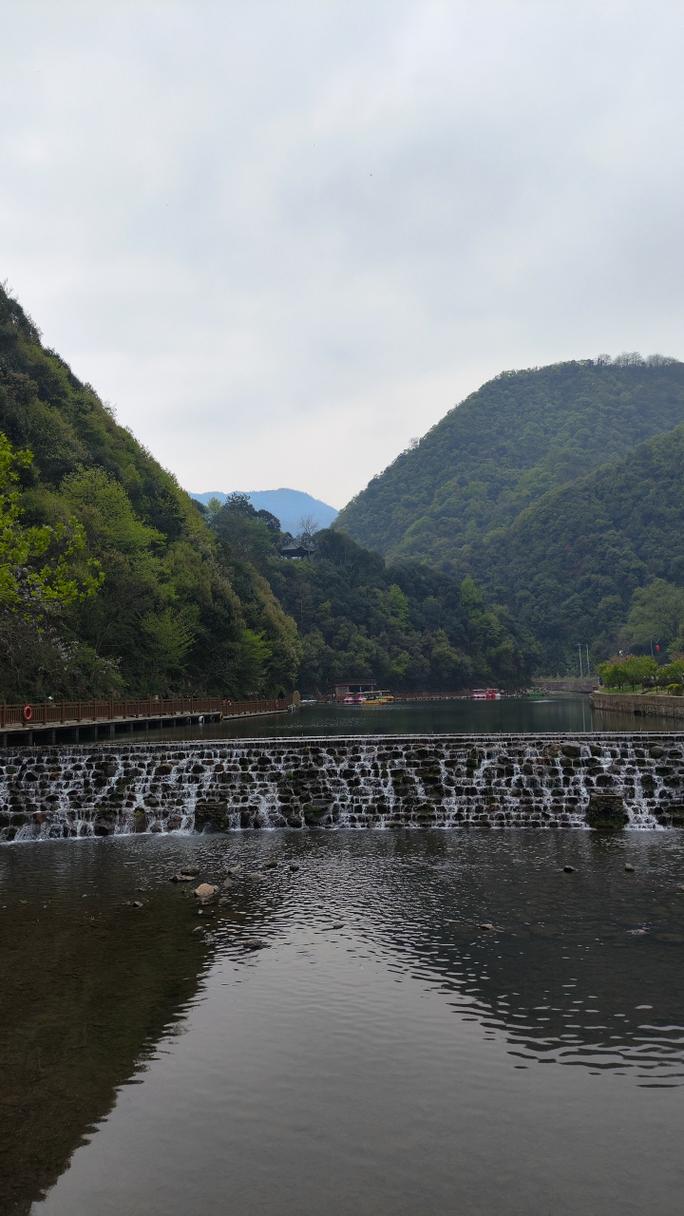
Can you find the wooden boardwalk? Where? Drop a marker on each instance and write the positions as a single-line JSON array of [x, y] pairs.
[[48, 721]]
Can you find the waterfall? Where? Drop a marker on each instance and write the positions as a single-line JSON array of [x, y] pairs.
[[440, 781]]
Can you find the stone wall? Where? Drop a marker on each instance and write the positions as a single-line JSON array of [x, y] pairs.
[[442, 781], [646, 706]]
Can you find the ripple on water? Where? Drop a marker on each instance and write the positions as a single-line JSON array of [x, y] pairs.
[[372, 984]]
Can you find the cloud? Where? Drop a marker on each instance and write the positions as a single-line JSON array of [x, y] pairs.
[[284, 239]]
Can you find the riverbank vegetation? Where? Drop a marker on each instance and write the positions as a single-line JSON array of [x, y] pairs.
[[642, 673]]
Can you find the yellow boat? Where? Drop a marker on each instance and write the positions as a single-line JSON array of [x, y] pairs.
[[377, 698]]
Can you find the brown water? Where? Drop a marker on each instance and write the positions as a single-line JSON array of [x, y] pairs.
[[382, 1054]]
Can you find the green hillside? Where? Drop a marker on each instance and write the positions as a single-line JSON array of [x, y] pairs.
[[110, 577], [403, 624], [569, 565], [518, 437]]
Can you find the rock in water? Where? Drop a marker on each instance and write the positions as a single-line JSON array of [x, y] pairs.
[[568, 869], [606, 813], [206, 891]]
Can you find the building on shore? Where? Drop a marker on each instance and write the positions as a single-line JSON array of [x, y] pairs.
[[344, 689]]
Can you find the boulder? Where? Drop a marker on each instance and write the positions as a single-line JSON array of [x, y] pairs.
[[206, 891], [606, 813]]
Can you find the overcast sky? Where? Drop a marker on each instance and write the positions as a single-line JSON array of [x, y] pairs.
[[284, 238]]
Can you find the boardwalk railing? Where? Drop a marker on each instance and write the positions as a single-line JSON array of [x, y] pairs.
[[66, 713]]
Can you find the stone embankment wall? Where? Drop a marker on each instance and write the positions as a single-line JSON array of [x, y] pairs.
[[361, 782], [646, 706]]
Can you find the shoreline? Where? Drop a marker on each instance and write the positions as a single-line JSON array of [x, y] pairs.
[[642, 705]]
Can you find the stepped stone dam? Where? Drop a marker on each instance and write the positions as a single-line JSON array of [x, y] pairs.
[[440, 781]]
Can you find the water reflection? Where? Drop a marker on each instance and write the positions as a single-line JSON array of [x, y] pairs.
[[346, 982], [89, 986], [576, 969], [510, 715]]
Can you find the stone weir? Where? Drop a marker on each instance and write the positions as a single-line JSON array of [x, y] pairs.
[[440, 781]]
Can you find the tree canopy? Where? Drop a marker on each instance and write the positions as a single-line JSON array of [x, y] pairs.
[[558, 488], [404, 624], [84, 504]]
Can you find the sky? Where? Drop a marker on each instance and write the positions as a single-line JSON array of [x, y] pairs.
[[282, 238]]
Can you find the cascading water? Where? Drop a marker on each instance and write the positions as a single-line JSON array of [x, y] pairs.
[[442, 781]]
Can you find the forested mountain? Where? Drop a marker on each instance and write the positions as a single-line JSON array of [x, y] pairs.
[[109, 576], [569, 565], [112, 578], [518, 437], [549, 509], [292, 507], [404, 624]]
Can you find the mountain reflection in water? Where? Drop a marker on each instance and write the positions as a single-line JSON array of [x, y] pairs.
[[380, 1026]]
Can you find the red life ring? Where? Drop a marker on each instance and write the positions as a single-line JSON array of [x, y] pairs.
[[28, 713]]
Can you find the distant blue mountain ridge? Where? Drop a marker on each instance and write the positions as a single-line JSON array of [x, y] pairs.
[[289, 506]]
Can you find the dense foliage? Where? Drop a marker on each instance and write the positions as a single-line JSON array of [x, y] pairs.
[[570, 565], [112, 578], [642, 672], [519, 436], [406, 625], [504, 488], [173, 613], [656, 618]]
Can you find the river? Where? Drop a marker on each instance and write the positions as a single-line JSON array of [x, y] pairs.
[[368, 1024], [510, 714], [380, 1053]]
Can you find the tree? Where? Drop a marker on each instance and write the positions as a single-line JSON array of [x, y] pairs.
[[40, 565], [672, 675], [633, 671], [308, 527], [656, 613]]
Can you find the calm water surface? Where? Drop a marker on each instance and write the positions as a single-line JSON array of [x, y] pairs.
[[431, 717], [382, 1054]]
